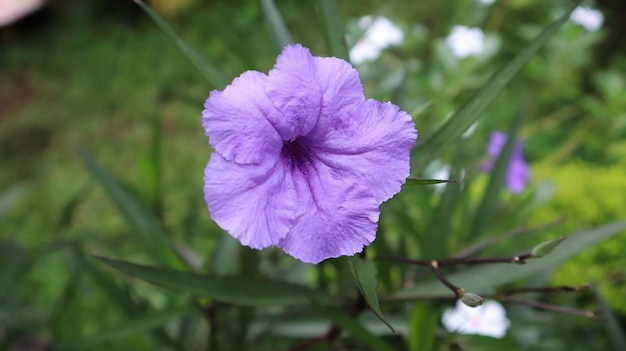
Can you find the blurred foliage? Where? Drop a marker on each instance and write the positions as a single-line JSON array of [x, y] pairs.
[[100, 73], [588, 195]]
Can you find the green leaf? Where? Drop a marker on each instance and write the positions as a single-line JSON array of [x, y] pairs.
[[469, 113], [149, 166], [129, 327], [366, 330], [486, 279], [235, 290], [208, 71], [616, 331], [416, 181], [490, 202], [423, 326], [366, 278], [131, 306], [279, 34], [435, 241], [354, 328], [144, 223], [220, 259], [334, 31]]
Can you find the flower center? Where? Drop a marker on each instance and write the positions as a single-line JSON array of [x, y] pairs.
[[297, 154]]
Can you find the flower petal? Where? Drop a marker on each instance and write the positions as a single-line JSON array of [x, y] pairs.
[[341, 89], [517, 175], [236, 120], [372, 146], [337, 217], [255, 203], [294, 90], [497, 140]]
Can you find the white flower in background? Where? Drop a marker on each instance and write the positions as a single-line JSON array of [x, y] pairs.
[[364, 51], [380, 33], [486, 2], [588, 18], [488, 319], [13, 10], [465, 41]]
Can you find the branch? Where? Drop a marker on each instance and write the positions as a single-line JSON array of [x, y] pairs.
[[472, 250], [551, 307]]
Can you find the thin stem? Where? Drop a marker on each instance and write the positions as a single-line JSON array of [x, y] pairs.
[[498, 296], [521, 259], [546, 289], [472, 250], [434, 266], [551, 307]]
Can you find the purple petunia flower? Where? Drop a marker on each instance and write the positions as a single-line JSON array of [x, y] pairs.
[[518, 171], [302, 160]]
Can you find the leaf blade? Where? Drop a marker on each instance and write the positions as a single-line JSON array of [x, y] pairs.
[[471, 111], [365, 274], [354, 328], [418, 181], [486, 279], [236, 290], [208, 71], [129, 327], [144, 223], [334, 31], [278, 32]]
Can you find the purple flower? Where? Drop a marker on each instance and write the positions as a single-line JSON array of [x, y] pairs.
[[518, 171], [302, 160]]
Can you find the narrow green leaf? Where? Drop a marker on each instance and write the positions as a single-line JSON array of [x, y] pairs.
[[144, 223], [334, 30], [423, 326], [490, 202], [129, 327], [435, 241], [486, 279], [312, 322], [279, 34], [416, 181], [208, 71], [367, 281], [67, 213], [616, 331], [66, 298], [469, 113], [236, 290], [354, 328], [220, 259], [121, 294], [149, 165]]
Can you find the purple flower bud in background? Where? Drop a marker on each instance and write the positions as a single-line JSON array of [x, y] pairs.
[[302, 160], [518, 171]]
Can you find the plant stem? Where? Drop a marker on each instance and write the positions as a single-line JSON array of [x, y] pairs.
[[458, 292]]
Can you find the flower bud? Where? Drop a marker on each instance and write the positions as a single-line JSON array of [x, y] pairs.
[[546, 247], [472, 300]]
